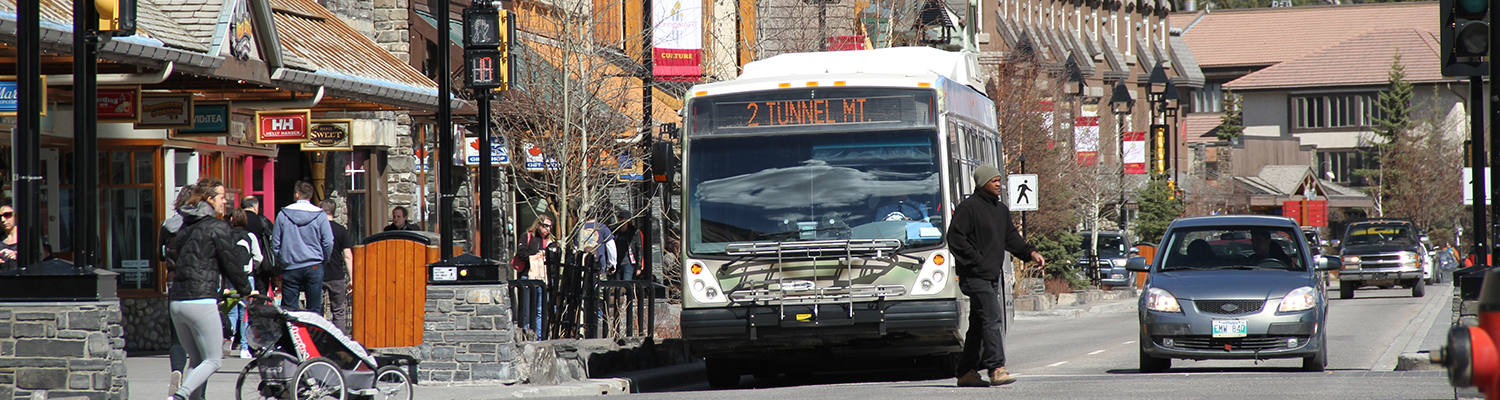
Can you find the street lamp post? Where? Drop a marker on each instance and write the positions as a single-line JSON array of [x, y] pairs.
[[1171, 102], [1156, 89], [1121, 103]]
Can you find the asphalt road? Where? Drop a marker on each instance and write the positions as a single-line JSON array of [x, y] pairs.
[[1095, 357]]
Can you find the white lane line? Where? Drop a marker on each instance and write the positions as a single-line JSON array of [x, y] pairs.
[[1058, 363], [1129, 342], [1096, 352]]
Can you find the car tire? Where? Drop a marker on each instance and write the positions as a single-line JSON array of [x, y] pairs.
[[1151, 364], [1417, 288], [1319, 361], [1346, 289]]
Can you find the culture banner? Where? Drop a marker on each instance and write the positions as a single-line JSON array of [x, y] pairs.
[[1086, 134], [1135, 152], [677, 40]]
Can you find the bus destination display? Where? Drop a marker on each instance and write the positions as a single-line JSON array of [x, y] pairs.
[[813, 111]]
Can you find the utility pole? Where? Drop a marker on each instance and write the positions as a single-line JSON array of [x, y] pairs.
[[447, 185], [27, 134], [85, 132]]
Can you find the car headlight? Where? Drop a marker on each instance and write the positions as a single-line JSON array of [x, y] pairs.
[[1406, 257], [1298, 299], [1118, 262], [1351, 259], [1161, 300]]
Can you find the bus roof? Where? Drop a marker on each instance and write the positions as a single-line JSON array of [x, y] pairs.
[[878, 67]]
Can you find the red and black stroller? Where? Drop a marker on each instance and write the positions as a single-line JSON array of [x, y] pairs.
[[299, 355]]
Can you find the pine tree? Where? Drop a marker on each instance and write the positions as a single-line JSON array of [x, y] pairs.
[[1159, 206], [1231, 124], [1386, 158]]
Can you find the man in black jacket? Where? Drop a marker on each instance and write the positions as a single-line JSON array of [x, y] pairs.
[[979, 236]]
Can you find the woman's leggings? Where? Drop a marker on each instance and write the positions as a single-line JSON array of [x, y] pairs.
[[202, 335]]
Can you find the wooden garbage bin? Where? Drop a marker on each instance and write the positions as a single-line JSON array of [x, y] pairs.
[[1148, 251], [390, 287]]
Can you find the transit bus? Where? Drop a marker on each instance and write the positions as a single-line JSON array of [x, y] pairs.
[[816, 191]]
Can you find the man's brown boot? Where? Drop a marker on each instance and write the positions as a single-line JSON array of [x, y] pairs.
[[971, 379], [999, 376]]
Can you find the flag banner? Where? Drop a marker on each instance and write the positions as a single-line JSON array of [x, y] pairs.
[[677, 40], [1135, 152], [1086, 139]]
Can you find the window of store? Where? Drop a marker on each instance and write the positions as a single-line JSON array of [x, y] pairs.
[[127, 208], [1210, 98], [1335, 111], [1340, 166], [357, 172]]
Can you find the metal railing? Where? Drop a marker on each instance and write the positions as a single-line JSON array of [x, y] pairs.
[[575, 303]]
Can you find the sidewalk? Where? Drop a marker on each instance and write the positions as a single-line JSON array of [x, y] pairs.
[[1082, 310], [148, 381]]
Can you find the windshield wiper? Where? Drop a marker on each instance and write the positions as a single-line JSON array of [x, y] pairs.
[[776, 235]]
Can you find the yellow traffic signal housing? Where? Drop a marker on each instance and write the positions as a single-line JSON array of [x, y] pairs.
[[507, 30], [116, 16]]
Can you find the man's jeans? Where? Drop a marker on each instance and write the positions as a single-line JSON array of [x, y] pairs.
[[295, 281], [983, 347], [338, 303]]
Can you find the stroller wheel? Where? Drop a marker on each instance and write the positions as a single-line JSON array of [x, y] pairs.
[[250, 386], [318, 378], [391, 383]]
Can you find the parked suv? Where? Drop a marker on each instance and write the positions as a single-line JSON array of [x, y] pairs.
[[1384, 253], [1113, 249]]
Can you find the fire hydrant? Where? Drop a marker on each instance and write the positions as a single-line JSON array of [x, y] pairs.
[[1470, 355]]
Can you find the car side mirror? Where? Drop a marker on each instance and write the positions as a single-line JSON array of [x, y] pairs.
[[1134, 251], [1334, 243], [1137, 264], [1329, 263]]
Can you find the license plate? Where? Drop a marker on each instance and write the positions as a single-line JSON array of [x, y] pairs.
[[1380, 275], [1230, 328]]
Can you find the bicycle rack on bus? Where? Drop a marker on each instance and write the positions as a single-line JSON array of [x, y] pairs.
[[815, 250]]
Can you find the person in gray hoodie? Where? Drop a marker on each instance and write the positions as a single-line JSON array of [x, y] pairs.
[[303, 241]]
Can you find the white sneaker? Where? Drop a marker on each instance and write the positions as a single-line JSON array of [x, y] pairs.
[[174, 382], [245, 353]]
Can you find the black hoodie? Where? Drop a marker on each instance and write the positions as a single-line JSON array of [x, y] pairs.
[[205, 254], [980, 235]]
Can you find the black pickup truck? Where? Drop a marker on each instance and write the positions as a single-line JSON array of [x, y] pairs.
[[1384, 253]]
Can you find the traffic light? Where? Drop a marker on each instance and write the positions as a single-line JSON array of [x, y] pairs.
[[116, 17], [1465, 37], [487, 34]]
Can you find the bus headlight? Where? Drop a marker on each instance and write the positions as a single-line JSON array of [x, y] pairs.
[[933, 276], [704, 285]]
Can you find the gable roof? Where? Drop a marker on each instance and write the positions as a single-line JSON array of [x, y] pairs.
[[1265, 36], [1361, 61]]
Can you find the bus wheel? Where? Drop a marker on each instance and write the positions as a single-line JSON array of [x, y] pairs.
[[722, 374]]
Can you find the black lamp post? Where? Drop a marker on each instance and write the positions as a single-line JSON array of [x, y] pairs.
[[1156, 89], [1171, 102], [1121, 103]]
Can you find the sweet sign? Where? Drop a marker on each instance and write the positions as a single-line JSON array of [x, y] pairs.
[[282, 126], [119, 104], [329, 135]]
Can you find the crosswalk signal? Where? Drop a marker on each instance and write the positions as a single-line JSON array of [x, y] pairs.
[[1465, 37]]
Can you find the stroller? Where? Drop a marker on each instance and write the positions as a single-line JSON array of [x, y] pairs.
[[299, 355]]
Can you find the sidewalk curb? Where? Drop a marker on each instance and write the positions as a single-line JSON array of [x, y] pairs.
[[1416, 362], [1084, 310], [656, 379], [590, 387]]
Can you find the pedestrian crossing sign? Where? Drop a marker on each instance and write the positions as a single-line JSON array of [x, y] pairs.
[[1022, 195]]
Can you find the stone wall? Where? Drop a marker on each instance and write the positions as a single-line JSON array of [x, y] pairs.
[[467, 336], [146, 324], [62, 350]]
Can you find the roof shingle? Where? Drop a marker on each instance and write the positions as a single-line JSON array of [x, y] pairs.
[[1361, 61], [1265, 36]]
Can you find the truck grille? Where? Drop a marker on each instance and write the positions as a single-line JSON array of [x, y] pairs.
[[1229, 307]]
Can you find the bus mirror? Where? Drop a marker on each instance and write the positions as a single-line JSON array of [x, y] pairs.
[[663, 162]]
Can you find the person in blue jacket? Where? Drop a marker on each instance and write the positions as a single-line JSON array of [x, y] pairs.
[[303, 242]]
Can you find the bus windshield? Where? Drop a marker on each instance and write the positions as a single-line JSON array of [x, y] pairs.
[[827, 186]]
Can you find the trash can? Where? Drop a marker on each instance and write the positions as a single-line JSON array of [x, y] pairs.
[[465, 269], [390, 292]]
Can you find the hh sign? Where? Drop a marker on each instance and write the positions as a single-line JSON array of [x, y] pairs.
[[283, 126]]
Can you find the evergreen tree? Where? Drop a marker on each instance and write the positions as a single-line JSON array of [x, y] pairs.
[[1231, 124], [1159, 206], [1386, 157]]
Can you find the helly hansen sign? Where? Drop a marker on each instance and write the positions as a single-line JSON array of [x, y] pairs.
[[283, 126]]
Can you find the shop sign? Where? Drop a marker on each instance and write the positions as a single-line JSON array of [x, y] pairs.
[[209, 119], [119, 104], [329, 135], [282, 126], [499, 154], [538, 162], [10, 96], [166, 111]]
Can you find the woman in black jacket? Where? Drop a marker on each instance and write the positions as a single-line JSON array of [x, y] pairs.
[[206, 255]]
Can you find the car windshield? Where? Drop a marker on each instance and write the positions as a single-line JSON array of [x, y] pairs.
[[829, 186], [1109, 245], [1379, 234], [1233, 248]]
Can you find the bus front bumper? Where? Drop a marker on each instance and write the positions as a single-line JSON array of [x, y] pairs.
[[925, 326]]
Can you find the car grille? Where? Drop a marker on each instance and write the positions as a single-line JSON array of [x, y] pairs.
[[1248, 343], [1229, 307]]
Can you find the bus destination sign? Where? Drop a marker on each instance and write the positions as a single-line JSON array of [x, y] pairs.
[[812, 111]]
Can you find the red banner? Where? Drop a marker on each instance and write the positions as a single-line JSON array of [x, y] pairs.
[[1135, 152], [1086, 139], [677, 64]]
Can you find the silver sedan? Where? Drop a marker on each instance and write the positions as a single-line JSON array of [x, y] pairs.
[[1233, 287]]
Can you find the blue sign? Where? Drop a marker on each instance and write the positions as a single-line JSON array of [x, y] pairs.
[[10, 93], [209, 119]]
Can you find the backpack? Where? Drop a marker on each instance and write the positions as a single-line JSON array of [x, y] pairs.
[[268, 264], [588, 238]]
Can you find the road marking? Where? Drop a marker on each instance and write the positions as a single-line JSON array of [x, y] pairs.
[[1057, 363], [1096, 352], [1129, 342]]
